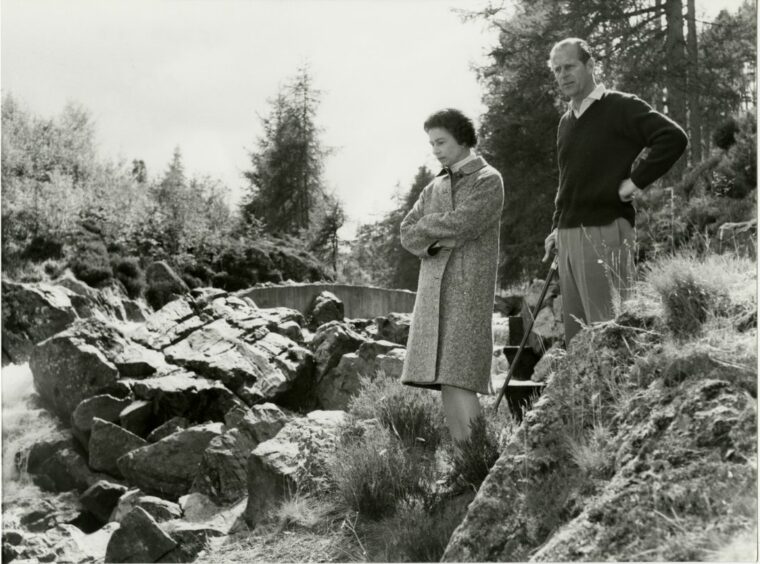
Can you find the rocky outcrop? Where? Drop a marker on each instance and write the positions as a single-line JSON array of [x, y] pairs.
[[31, 314], [66, 469], [667, 437], [167, 468], [273, 466], [547, 327]]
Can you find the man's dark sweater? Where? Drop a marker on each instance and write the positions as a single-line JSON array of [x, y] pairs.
[[595, 153]]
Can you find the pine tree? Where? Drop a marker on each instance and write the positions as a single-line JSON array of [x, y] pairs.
[[285, 179]]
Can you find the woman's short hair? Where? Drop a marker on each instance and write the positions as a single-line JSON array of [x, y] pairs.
[[456, 123]]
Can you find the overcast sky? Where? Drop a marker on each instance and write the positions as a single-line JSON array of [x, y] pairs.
[[197, 73]]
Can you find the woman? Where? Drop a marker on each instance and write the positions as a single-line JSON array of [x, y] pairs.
[[454, 229]]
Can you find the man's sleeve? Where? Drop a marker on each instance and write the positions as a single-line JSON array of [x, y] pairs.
[[665, 138], [473, 216]]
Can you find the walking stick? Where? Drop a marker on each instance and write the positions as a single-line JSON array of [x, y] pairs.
[[526, 332]]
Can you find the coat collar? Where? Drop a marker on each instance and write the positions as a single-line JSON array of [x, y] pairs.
[[468, 168]]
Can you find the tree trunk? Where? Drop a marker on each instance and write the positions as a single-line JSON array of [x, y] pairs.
[[695, 117], [675, 61]]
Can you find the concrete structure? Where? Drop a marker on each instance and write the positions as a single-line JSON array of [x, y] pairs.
[[363, 302]]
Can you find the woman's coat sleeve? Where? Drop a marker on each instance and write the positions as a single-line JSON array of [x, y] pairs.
[[480, 210], [413, 241]]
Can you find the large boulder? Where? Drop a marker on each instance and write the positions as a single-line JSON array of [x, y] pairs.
[[108, 443], [103, 406], [184, 394], [222, 475], [32, 313], [167, 428], [163, 284], [67, 370], [139, 539], [394, 327], [330, 343], [260, 422], [191, 539], [547, 326], [340, 384], [160, 509], [273, 466], [548, 329], [167, 468], [325, 307], [66, 470], [85, 360], [101, 498]]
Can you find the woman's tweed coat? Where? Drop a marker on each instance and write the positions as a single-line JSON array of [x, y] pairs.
[[450, 339]]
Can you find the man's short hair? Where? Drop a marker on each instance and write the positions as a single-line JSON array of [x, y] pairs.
[[584, 51], [456, 123]]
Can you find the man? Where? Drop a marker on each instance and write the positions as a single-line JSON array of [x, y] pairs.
[[598, 140]]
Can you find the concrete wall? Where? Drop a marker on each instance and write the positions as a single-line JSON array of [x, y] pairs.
[[362, 302]]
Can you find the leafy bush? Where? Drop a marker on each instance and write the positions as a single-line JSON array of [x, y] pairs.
[[127, 270], [373, 473], [473, 458], [90, 263], [413, 415]]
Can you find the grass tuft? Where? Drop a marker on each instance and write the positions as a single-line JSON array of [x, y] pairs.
[[373, 473], [412, 415]]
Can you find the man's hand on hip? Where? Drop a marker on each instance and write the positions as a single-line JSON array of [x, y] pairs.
[[628, 190], [550, 244]]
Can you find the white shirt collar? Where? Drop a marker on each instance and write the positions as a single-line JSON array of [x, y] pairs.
[[595, 94], [459, 164]]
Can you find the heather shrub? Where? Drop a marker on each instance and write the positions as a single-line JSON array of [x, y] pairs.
[[412, 415], [91, 263], [127, 270], [473, 458], [373, 473], [43, 247]]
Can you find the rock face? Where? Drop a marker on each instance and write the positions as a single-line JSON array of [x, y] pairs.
[[167, 468], [326, 307], [163, 284], [330, 343], [67, 371], [273, 465], [139, 539], [670, 437], [31, 314]]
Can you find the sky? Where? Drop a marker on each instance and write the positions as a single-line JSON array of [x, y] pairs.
[[198, 74]]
